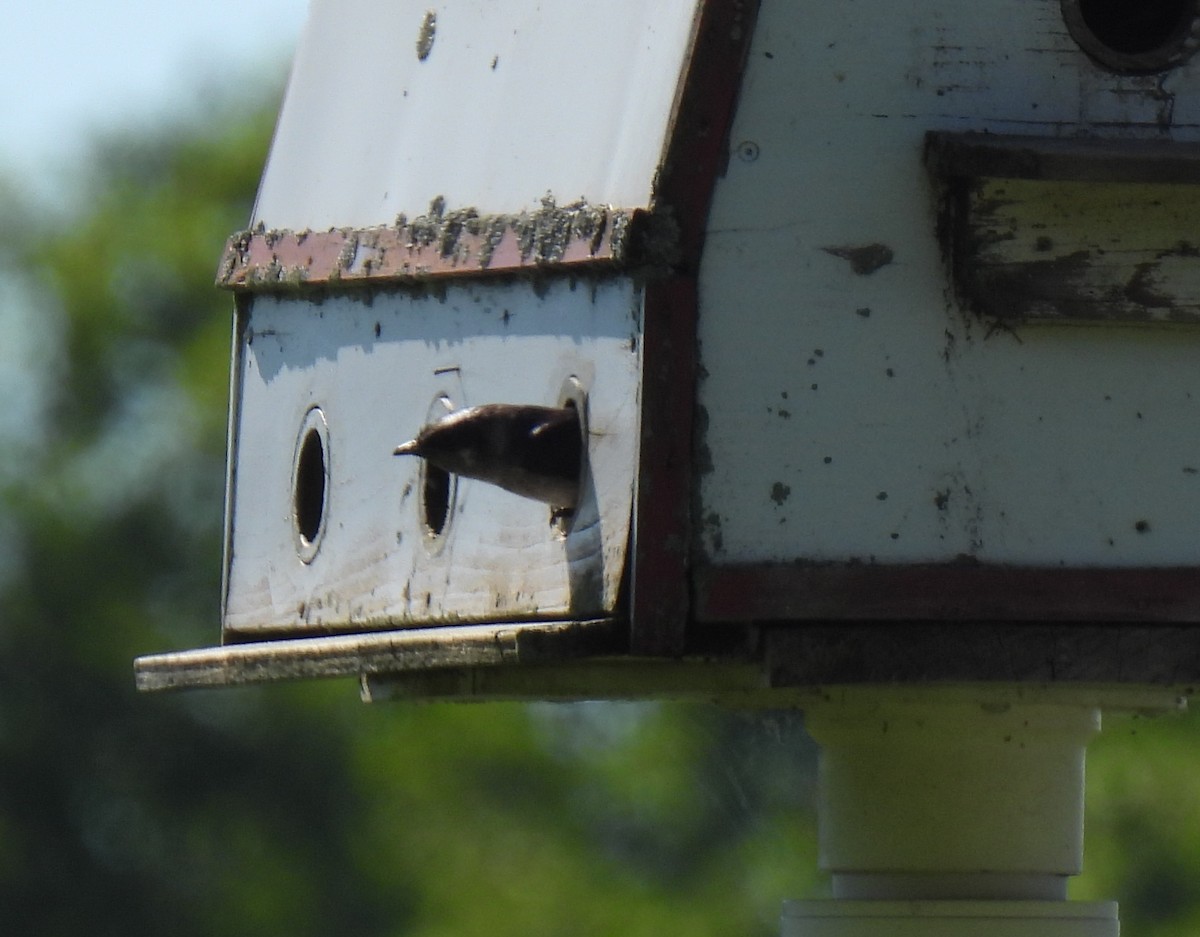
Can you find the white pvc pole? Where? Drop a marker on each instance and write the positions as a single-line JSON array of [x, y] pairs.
[[950, 815]]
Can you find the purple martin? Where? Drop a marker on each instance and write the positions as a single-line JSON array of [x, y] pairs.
[[535, 452]]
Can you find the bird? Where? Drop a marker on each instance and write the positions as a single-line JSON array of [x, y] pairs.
[[532, 451]]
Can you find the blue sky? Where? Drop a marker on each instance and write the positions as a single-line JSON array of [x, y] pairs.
[[71, 68]]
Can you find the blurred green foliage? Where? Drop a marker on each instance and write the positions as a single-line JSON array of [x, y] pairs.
[[297, 811], [1142, 829], [294, 810]]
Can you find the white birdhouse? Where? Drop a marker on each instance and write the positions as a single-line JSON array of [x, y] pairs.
[[720, 336], [833, 355]]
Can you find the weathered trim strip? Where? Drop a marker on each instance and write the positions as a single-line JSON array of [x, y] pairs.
[[932, 592], [416, 649], [695, 157], [1070, 231], [1116, 662], [439, 244], [735, 681], [1077, 159]]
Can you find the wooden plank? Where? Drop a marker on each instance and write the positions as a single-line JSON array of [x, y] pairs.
[[1070, 230], [1032, 655], [960, 592], [662, 518], [610, 679], [1079, 252], [416, 649], [579, 660], [1063, 159], [696, 153]]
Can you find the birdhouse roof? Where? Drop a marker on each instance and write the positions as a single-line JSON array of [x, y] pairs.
[[394, 107]]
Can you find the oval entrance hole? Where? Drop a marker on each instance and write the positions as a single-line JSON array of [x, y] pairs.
[[310, 486], [1134, 35], [435, 498]]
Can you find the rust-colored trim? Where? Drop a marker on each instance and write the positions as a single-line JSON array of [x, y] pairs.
[[947, 592], [695, 156], [663, 504], [440, 244]]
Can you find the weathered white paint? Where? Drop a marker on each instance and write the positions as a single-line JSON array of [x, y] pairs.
[[868, 417], [377, 370], [513, 100]]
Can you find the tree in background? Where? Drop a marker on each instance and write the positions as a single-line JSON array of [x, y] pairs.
[[296, 810], [120, 814], [1143, 814]]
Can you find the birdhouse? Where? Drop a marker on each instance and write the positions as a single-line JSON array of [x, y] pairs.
[[645, 344], [835, 355]]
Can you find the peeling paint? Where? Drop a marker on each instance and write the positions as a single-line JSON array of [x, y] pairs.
[[712, 529], [426, 35], [1071, 233], [444, 241], [864, 259]]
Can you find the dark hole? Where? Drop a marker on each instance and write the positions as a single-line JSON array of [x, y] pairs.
[[579, 456], [310, 486], [1134, 27], [572, 462], [435, 498]]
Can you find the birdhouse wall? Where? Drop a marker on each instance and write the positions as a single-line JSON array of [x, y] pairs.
[[379, 548], [439, 225], [858, 409]]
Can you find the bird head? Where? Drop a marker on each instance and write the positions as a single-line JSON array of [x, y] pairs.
[[533, 451]]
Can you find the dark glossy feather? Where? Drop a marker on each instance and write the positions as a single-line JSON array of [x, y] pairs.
[[531, 451]]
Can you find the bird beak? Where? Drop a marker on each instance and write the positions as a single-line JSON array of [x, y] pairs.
[[409, 448]]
